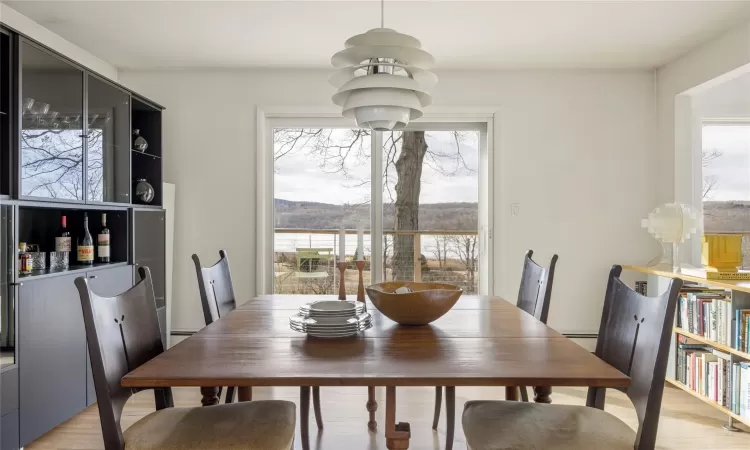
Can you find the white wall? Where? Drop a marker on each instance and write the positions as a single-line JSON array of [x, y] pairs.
[[573, 151], [673, 175], [728, 100], [713, 59], [28, 27]]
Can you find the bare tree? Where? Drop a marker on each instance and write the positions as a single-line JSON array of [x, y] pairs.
[[708, 155], [386, 249], [52, 161], [465, 249], [440, 250]]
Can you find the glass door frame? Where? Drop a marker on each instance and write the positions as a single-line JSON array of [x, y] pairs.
[[269, 118]]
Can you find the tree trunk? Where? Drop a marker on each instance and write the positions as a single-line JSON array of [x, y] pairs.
[[408, 186]]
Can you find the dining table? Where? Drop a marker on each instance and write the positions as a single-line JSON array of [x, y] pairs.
[[481, 341]]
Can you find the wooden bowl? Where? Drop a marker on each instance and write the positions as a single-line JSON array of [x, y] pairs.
[[427, 303]]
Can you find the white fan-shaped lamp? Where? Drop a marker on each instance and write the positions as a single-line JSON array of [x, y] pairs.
[[383, 79], [672, 223]]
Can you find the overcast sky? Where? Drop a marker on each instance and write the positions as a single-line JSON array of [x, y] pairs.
[[730, 172], [303, 176]]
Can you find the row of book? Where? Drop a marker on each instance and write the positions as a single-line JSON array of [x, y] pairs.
[[711, 373], [708, 313]]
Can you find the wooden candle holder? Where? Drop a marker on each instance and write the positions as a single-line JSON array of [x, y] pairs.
[[361, 286], [342, 287]]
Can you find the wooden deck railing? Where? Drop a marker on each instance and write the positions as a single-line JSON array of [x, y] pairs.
[[320, 238]]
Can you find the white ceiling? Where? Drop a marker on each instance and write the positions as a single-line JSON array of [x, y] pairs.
[[461, 34]]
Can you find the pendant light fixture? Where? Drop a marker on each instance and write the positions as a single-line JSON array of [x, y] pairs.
[[383, 78]]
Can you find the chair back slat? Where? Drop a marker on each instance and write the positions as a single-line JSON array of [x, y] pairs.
[[123, 333], [634, 337], [216, 289], [536, 287]]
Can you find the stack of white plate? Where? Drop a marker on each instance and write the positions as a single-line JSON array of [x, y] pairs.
[[331, 319]]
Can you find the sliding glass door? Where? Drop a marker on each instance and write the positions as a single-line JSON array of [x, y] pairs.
[[430, 207], [321, 186], [416, 200]]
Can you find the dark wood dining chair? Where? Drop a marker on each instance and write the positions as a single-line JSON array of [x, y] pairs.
[[217, 296], [634, 337], [533, 297], [123, 333], [218, 300]]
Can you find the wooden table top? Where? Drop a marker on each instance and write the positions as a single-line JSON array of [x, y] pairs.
[[481, 342]]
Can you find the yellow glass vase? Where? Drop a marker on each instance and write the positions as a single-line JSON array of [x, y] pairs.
[[721, 252]]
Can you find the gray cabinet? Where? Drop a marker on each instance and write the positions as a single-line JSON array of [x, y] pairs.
[[8, 390], [107, 283], [108, 142], [149, 249], [52, 348], [9, 409], [55, 380], [9, 431], [52, 93]]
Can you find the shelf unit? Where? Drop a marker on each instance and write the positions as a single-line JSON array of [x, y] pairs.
[[716, 345], [715, 405], [72, 270], [90, 168], [740, 299], [147, 165]]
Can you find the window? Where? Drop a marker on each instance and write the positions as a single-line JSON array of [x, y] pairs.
[[725, 159], [417, 199]]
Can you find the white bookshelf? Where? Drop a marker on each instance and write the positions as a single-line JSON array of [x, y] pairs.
[[740, 299]]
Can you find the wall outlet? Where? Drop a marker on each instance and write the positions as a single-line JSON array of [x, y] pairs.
[[515, 209]]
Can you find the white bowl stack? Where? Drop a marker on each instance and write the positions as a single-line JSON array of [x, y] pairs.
[[331, 319]]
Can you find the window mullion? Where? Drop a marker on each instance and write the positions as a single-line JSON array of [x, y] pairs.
[[376, 207]]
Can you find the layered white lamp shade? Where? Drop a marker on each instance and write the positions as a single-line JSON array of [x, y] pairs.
[[672, 223], [383, 79]]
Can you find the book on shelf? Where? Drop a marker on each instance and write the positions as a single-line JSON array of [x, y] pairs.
[[742, 330], [714, 377], [742, 406], [706, 313]]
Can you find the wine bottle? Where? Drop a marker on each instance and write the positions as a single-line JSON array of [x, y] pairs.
[[86, 244], [102, 241], [62, 239]]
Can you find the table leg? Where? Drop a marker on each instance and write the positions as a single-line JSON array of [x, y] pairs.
[[450, 411], [511, 393], [244, 394], [396, 434], [438, 404], [542, 394], [316, 406], [210, 396], [371, 406], [304, 416]]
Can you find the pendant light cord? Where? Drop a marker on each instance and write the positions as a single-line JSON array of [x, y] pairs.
[[382, 13]]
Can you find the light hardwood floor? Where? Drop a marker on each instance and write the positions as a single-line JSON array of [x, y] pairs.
[[686, 423]]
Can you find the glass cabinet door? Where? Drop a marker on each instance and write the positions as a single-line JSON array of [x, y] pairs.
[[7, 289], [52, 126], [108, 145]]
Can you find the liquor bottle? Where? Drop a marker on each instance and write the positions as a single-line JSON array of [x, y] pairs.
[[86, 244], [102, 241], [24, 259], [62, 239]]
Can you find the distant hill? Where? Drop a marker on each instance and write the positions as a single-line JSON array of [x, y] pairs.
[[726, 217], [324, 216]]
